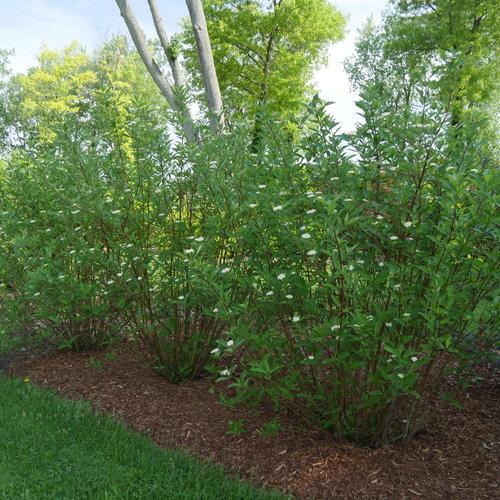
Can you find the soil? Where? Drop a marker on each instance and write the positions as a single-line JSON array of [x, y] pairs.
[[457, 457]]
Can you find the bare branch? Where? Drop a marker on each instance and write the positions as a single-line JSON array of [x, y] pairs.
[[155, 72]]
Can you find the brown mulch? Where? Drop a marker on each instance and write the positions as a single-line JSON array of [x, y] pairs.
[[456, 458]]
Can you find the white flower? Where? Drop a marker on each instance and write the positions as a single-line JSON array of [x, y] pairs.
[[306, 236], [400, 375], [226, 270], [296, 318], [135, 258], [351, 268], [361, 261], [393, 238], [381, 264], [414, 359], [277, 208], [214, 351], [120, 275], [312, 253], [409, 239], [406, 315], [262, 186], [61, 276], [215, 310], [230, 343], [281, 276], [114, 212], [407, 224], [72, 252], [310, 357], [379, 217], [335, 327], [252, 205], [188, 250], [310, 212], [474, 170], [224, 373], [181, 297], [269, 293], [139, 278], [37, 294], [388, 324], [110, 282], [397, 287], [335, 178], [347, 199], [288, 296], [200, 238]]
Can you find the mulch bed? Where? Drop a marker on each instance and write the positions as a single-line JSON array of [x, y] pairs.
[[456, 458]]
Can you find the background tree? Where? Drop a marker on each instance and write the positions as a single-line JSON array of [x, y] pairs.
[[463, 37], [449, 46], [173, 93], [265, 51]]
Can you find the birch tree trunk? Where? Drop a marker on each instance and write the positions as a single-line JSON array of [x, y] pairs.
[[155, 72], [210, 81]]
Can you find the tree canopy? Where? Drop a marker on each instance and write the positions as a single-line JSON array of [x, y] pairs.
[[265, 51], [449, 45]]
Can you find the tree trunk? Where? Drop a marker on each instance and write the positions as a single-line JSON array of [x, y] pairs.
[[211, 83], [155, 72], [165, 43]]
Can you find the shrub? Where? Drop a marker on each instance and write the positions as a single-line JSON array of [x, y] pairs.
[[369, 263]]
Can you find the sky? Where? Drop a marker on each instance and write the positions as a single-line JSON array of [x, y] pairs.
[[25, 25]]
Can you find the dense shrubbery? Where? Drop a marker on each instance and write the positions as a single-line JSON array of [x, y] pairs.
[[340, 276]]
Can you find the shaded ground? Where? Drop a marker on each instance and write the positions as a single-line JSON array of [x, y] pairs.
[[458, 456]]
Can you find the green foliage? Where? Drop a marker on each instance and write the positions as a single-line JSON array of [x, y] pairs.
[[236, 427], [341, 277], [271, 428], [368, 279], [265, 52], [449, 47], [464, 36], [50, 448]]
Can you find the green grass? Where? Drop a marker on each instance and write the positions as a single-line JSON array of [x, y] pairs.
[[51, 448]]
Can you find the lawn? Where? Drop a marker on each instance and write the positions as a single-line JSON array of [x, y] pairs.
[[52, 448]]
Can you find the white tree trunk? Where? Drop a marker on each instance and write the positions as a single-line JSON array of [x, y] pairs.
[[165, 43], [155, 72], [211, 83]]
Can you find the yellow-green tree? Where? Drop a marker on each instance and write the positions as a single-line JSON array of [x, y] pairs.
[[56, 88]]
